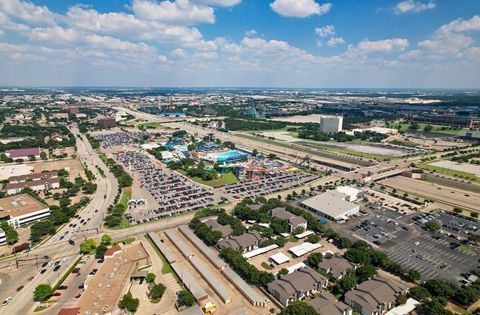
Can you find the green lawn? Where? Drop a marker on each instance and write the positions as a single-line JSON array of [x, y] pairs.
[[436, 128], [467, 250], [450, 172], [150, 124], [364, 155], [224, 179], [124, 198]]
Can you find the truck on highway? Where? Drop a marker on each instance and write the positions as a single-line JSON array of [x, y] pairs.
[[20, 247]]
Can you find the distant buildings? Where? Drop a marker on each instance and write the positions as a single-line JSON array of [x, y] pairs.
[[36, 182], [106, 122], [22, 209], [332, 205], [23, 153], [330, 124], [297, 285]]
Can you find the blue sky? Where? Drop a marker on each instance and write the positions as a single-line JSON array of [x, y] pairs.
[[266, 43]]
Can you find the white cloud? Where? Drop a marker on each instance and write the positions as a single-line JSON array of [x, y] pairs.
[[461, 25], [299, 8], [162, 58], [250, 33], [325, 31], [384, 45], [2, 33], [28, 12], [411, 6], [220, 3], [177, 12], [334, 41], [179, 53]]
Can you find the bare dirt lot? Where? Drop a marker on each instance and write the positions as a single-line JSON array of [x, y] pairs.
[[437, 192], [73, 166]]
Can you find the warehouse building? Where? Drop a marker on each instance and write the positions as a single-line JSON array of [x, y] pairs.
[[332, 205], [21, 210]]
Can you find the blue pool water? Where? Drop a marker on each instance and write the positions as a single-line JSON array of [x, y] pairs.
[[232, 155]]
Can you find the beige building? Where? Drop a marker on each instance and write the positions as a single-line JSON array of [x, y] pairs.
[[21, 210]]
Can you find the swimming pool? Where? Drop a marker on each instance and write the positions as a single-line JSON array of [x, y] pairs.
[[232, 155]]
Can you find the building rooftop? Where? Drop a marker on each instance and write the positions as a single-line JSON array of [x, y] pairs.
[[279, 258], [301, 280], [331, 203], [336, 265], [19, 205], [19, 153], [103, 291], [304, 248], [326, 303]]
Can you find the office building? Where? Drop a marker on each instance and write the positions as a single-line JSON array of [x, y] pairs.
[[329, 124]]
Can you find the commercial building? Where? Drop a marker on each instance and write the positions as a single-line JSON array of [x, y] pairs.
[[36, 182], [351, 193], [21, 210], [330, 124], [326, 303], [3, 237], [103, 291], [375, 296], [297, 285], [106, 122], [294, 221], [23, 153], [332, 205]]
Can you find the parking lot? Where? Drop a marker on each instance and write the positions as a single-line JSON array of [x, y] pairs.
[[173, 192], [119, 138], [268, 184], [406, 241]]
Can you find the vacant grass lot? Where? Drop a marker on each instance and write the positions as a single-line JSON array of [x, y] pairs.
[[450, 172]]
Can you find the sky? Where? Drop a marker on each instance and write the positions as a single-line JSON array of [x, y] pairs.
[[241, 43]]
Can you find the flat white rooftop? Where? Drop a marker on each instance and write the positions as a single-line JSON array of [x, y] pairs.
[[296, 267], [304, 234], [279, 258], [259, 251], [304, 248]]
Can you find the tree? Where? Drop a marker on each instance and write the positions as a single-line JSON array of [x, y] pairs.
[[283, 271], [43, 156], [129, 303], [313, 238], [433, 225], [157, 291], [314, 259], [458, 210], [365, 272], [89, 188], [414, 275], [347, 282], [419, 293], [474, 238], [299, 308], [10, 234], [106, 240], [150, 277], [186, 298], [40, 229], [88, 246], [100, 250], [42, 292]]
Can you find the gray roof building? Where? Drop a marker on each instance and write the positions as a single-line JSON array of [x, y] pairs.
[[327, 304], [375, 296], [243, 243], [212, 223], [336, 266], [294, 221], [296, 285]]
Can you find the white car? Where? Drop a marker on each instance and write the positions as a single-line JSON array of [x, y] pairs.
[[7, 301]]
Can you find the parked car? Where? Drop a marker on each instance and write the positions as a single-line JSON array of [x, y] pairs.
[[7, 301]]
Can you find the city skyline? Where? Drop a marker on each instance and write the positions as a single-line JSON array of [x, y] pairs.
[[215, 43]]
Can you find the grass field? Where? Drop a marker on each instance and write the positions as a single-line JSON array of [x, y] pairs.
[[364, 155], [124, 198], [467, 250], [151, 125], [224, 179], [450, 172], [436, 128]]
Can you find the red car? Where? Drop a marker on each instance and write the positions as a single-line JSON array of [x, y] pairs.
[[57, 294], [79, 294]]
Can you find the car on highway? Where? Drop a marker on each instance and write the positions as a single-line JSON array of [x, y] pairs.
[[20, 288], [56, 268], [63, 287], [57, 294], [30, 279], [43, 271], [71, 242], [7, 301], [79, 294], [45, 264]]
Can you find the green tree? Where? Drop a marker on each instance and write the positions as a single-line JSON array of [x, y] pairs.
[[88, 246], [42, 292], [313, 238], [365, 272], [298, 308], [129, 303], [283, 271], [106, 240], [150, 277], [414, 275], [186, 298], [10, 234], [347, 282], [433, 225], [157, 291], [419, 293], [40, 229], [314, 259]]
